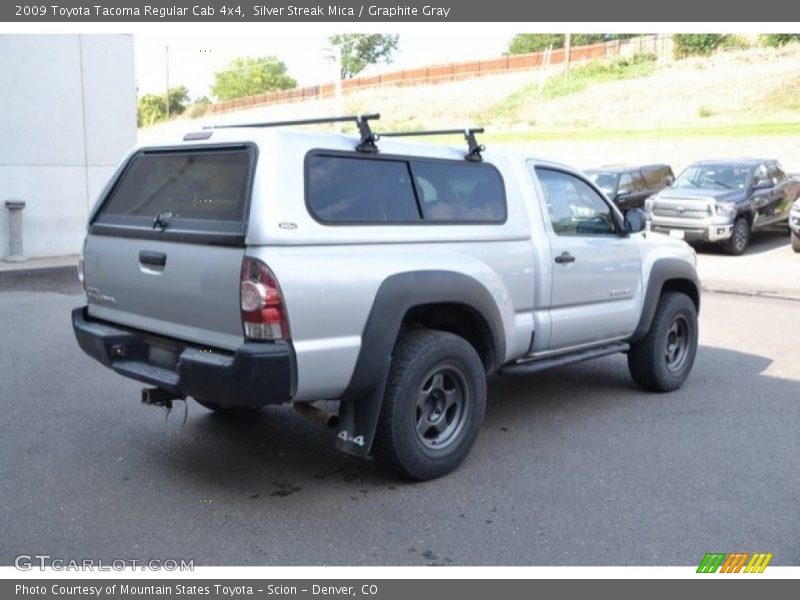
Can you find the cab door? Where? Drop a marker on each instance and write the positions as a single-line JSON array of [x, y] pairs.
[[769, 195], [782, 193], [596, 282]]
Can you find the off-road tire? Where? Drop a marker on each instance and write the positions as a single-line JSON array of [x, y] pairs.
[[740, 238], [655, 362], [412, 396]]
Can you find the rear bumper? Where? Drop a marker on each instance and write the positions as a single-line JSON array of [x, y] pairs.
[[255, 374]]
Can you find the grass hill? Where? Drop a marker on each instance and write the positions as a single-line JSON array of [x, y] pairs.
[[741, 92]]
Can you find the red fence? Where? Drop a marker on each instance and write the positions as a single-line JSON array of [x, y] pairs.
[[447, 72]]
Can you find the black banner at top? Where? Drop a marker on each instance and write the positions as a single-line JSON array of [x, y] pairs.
[[382, 11]]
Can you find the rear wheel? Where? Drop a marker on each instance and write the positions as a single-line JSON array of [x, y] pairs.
[[433, 407], [795, 242], [737, 243], [661, 361]]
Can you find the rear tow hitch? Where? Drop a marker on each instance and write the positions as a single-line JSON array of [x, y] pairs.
[[163, 398]]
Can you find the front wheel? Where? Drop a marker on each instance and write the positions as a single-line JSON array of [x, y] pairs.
[[737, 243], [795, 242], [661, 361], [433, 407]]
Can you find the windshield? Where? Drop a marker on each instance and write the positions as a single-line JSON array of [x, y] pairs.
[[604, 180], [714, 177]]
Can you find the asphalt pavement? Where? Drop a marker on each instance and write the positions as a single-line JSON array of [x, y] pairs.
[[574, 466]]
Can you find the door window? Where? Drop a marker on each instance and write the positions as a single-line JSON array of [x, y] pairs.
[[625, 183], [639, 184], [574, 207], [760, 174], [776, 174]]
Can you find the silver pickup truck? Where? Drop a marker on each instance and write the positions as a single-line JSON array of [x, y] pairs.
[[254, 265]]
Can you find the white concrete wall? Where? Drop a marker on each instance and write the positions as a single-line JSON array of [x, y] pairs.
[[67, 117]]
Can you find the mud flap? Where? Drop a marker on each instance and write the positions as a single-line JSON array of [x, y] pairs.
[[358, 419]]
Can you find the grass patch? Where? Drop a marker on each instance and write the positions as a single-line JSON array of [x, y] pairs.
[[786, 96], [704, 111], [597, 71], [711, 131], [580, 77]]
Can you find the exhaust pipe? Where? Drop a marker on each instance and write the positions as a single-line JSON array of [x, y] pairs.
[[312, 413], [159, 397]]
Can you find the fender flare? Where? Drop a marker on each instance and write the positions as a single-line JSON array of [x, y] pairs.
[[362, 399], [664, 271]]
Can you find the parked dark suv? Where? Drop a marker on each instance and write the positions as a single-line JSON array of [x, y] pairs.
[[629, 187], [723, 201]]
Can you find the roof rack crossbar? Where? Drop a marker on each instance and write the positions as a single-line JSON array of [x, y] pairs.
[[366, 144], [474, 148]]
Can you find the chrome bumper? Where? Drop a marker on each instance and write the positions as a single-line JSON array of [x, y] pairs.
[[714, 229]]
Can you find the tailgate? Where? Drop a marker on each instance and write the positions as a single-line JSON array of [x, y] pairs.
[[165, 245]]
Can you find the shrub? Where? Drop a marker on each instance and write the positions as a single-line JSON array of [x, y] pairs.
[[697, 44], [199, 107], [735, 42], [776, 40]]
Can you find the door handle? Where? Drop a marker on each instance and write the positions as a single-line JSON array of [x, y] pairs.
[[153, 259], [564, 258]]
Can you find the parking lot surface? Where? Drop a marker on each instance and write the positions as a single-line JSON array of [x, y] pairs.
[[769, 267], [572, 467]]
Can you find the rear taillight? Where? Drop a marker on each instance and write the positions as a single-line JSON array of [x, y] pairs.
[[263, 311]]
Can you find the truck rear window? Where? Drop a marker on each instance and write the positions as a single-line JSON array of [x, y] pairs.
[[358, 190], [343, 189], [197, 190]]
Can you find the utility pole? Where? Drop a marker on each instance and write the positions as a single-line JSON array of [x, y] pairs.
[[167, 96], [334, 54], [567, 52]]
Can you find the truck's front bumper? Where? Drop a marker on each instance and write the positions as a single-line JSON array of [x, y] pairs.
[[254, 375], [711, 230]]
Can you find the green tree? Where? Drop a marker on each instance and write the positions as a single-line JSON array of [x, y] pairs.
[[360, 50], [525, 43], [199, 107], [178, 100], [152, 108], [249, 76]]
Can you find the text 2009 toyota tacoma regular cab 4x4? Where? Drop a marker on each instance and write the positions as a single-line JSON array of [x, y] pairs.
[[255, 265]]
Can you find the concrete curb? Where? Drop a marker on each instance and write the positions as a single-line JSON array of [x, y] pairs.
[[37, 264], [753, 293]]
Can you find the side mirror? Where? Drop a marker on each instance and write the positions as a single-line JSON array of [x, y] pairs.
[[634, 220], [669, 181]]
